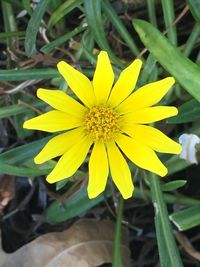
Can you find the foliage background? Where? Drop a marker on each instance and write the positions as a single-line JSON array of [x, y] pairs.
[[33, 38]]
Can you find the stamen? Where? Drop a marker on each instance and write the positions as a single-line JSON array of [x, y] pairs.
[[102, 123]]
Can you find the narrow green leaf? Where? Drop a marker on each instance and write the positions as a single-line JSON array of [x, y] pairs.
[[9, 22], [33, 27], [27, 6], [59, 41], [192, 40], [172, 254], [151, 6], [117, 253], [21, 154], [29, 74], [17, 109], [96, 24], [194, 6], [189, 111], [74, 206], [175, 164], [63, 10], [173, 185], [169, 17], [163, 251], [118, 24], [168, 198], [21, 171], [186, 219], [11, 34], [185, 71]]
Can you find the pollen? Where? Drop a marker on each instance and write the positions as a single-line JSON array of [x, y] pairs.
[[102, 123]]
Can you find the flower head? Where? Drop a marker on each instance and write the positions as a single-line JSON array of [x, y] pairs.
[[110, 120]]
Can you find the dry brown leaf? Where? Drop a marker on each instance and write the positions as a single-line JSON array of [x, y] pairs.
[[88, 243], [7, 190]]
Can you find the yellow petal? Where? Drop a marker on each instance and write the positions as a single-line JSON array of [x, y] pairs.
[[141, 155], [61, 101], [78, 83], [146, 96], [149, 115], [69, 163], [153, 138], [98, 172], [120, 171], [103, 78], [125, 84], [53, 121], [58, 145]]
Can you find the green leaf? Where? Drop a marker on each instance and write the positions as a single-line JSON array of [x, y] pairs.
[[162, 248], [194, 6], [189, 111], [4, 35], [176, 164], [18, 109], [21, 154], [96, 24], [118, 24], [33, 27], [169, 17], [186, 219], [165, 237], [29, 74], [21, 171], [27, 6], [170, 186], [63, 10], [185, 71], [74, 206], [59, 41]]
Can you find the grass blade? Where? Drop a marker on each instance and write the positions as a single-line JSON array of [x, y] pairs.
[[171, 251], [95, 22], [74, 206], [63, 10], [187, 218], [118, 24], [117, 259], [169, 17], [189, 111], [59, 41], [194, 6], [185, 71], [33, 27], [29, 74]]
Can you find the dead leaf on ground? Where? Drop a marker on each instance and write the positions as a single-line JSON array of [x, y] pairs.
[[7, 190], [88, 243]]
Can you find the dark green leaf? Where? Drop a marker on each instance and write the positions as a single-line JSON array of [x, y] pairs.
[[174, 185], [33, 27], [189, 111], [185, 71], [74, 206], [186, 219]]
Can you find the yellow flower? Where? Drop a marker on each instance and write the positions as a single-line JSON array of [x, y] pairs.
[[109, 118]]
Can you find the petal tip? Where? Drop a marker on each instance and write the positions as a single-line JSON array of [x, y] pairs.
[[38, 159], [102, 52], [138, 62], [128, 193], [26, 124], [178, 149], [50, 179], [163, 172], [61, 65]]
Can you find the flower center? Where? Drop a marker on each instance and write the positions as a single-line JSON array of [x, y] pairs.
[[101, 123]]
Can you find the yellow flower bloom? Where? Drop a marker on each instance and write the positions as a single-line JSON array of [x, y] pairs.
[[111, 119]]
